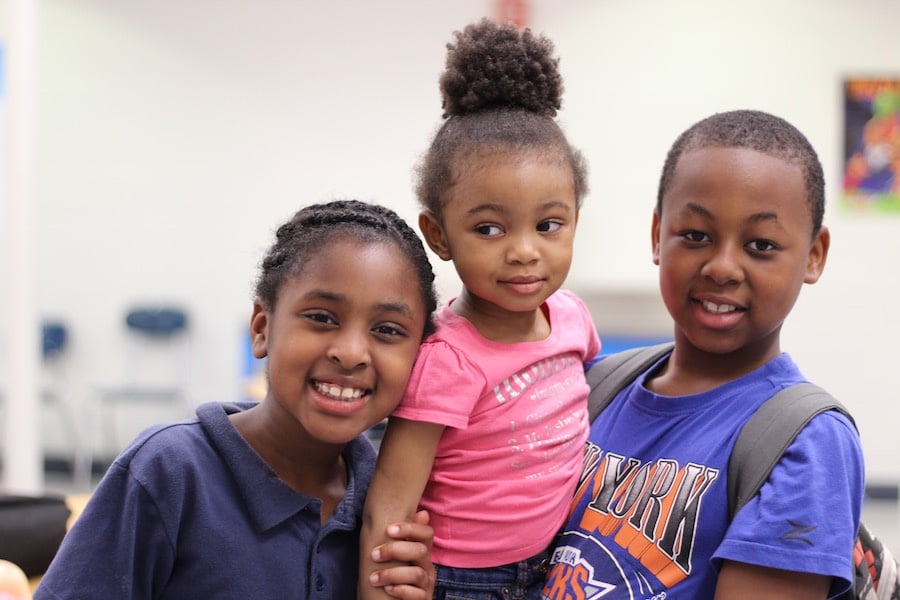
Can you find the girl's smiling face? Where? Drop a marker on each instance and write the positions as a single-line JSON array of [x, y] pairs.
[[342, 338]]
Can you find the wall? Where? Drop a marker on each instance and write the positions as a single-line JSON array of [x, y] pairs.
[[175, 136]]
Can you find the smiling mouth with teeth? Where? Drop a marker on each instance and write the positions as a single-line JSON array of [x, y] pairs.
[[718, 308], [337, 392]]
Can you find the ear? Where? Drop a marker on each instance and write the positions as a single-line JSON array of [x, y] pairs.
[[259, 330], [818, 253], [433, 232], [654, 237]]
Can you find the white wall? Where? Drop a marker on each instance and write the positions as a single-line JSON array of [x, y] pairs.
[[174, 136], [639, 72]]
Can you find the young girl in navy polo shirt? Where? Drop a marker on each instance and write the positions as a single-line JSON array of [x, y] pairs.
[[264, 500]]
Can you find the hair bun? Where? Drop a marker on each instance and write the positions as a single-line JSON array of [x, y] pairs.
[[496, 66]]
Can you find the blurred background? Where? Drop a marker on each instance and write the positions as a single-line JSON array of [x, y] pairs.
[[151, 148]]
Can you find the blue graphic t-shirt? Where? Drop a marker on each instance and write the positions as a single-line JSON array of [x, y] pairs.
[[649, 519]]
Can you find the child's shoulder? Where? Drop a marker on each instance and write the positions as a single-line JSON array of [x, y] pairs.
[[179, 444], [162, 447], [566, 296], [451, 348], [566, 302]]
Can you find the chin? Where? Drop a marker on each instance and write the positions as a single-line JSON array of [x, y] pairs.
[[336, 434], [715, 346]]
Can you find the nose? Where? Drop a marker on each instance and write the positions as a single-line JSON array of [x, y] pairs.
[[350, 349], [523, 249], [724, 265]]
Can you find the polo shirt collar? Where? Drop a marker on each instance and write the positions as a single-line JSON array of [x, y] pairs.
[[268, 500]]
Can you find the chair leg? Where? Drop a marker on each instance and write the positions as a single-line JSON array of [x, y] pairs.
[[83, 467]]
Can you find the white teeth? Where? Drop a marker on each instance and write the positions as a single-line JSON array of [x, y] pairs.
[[718, 308], [329, 389]]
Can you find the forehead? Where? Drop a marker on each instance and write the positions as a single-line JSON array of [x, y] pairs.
[[741, 179], [361, 271], [488, 157], [513, 176]]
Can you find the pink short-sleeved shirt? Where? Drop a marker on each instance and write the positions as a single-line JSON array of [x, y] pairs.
[[516, 416]]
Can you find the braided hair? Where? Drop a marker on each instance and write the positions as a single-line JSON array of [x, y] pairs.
[[754, 130], [314, 226], [501, 90]]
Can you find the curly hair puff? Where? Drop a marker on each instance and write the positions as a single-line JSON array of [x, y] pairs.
[[501, 90]]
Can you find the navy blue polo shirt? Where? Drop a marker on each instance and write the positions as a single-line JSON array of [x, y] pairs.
[[191, 511]]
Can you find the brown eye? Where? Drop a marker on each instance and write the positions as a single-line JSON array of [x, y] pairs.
[[548, 226], [762, 246], [488, 229], [695, 236], [323, 318], [390, 330]]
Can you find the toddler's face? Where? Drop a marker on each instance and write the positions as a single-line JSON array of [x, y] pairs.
[[509, 226]]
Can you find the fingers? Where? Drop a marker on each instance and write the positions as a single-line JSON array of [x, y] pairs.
[[410, 542], [407, 582], [417, 531], [410, 582], [402, 551], [410, 545]]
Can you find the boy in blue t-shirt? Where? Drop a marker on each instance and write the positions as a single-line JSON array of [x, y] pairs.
[[736, 233]]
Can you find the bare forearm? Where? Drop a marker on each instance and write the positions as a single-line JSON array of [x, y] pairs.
[[740, 581], [379, 513], [404, 463]]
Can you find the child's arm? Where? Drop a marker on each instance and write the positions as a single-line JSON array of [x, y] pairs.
[[740, 581], [411, 544], [404, 463]]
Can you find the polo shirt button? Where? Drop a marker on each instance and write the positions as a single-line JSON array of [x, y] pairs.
[[320, 583]]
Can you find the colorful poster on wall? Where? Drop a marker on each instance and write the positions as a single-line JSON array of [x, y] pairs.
[[872, 144]]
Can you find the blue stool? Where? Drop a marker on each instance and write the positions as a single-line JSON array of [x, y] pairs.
[[157, 322], [54, 393], [156, 358], [54, 336]]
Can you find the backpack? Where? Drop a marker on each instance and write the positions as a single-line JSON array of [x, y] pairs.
[[759, 447]]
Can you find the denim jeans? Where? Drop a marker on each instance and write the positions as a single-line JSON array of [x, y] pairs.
[[521, 580]]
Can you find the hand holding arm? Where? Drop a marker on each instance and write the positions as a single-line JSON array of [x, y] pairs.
[[404, 463], [411, 543]]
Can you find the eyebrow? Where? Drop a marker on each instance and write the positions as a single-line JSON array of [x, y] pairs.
[[692, 207], [396, 307], [485, 207], [393, 307], [488, 206]]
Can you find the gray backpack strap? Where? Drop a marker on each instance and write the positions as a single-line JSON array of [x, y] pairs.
[[612, 373], [768, 433]]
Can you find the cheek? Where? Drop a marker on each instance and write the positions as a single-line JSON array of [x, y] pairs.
[[563, 252], [470, 261], [668, 287], [397, 367]]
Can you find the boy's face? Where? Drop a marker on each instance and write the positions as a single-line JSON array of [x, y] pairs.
[[734, 245]]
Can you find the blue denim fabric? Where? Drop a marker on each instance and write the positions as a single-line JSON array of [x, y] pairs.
[[522, 580]]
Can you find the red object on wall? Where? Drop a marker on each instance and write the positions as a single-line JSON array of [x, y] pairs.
[[517, 12]]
